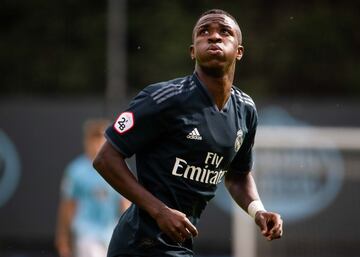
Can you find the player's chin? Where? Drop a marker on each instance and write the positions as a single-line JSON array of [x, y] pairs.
[[215, 62], [218, 56], [214, 70]]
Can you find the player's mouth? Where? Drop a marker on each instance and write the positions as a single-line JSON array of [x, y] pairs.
[[214, 49]]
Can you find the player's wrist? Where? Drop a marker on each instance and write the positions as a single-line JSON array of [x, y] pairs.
[[255, 207], [158, 211]]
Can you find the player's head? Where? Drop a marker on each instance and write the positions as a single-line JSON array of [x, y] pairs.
[[216, 43], [219, 12], [93, 132]]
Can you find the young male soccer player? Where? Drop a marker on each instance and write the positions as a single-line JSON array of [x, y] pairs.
[[188, 134]]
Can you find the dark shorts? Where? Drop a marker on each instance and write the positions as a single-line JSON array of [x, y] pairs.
[[163, 246], [138, 235]]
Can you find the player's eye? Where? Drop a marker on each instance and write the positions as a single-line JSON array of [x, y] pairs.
[[225, 31], [203, 31]]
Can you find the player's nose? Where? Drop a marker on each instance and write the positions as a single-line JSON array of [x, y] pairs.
[[214, 37]]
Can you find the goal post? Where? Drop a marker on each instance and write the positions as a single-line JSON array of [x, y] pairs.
[[308, 157]]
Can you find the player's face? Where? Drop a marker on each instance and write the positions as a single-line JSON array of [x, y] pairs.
[[216, 41], [93, 144]]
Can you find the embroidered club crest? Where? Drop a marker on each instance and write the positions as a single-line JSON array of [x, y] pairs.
[[238, 140]]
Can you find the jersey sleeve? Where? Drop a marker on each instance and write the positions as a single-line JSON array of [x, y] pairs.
[[243, 161], [137, 128]]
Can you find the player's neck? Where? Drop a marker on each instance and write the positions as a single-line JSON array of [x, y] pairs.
[[219, 86]]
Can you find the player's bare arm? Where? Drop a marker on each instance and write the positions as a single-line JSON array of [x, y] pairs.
[[243, 190], [112, 167], [66, 213]]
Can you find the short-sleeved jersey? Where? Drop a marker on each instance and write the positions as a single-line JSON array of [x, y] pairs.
[[184, 146], [97, 204]]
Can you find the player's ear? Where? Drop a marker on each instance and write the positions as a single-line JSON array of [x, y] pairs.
[[192, 53], [240, 52]]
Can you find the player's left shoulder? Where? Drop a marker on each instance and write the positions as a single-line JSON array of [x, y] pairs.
[[76, 164], [243, 99]]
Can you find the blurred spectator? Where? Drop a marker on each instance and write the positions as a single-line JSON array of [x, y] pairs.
[[89, 208]]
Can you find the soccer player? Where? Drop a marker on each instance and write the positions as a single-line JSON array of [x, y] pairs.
[[89, 208], [188, 134]]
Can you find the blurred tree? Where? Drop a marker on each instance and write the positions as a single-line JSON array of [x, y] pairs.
[[291, 48], [52, 47]]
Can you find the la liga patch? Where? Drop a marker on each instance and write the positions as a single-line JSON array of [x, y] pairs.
[[124, 122]]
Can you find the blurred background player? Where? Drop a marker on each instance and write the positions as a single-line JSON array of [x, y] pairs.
[[89, 208]]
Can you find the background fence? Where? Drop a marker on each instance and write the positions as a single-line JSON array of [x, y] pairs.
[[311, 178]]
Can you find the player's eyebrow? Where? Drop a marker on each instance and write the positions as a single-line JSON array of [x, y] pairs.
[[204, 26], [226, 26], [224, 22], [221, 25]]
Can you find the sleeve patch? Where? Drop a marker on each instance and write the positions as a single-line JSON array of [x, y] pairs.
[[124, 122]]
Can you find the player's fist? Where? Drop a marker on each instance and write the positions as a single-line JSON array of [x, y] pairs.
[[175, 224], [270, 224]]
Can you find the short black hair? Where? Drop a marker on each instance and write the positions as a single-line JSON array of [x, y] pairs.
[[220, 11]]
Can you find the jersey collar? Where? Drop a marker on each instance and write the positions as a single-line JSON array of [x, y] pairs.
[[205, 90]]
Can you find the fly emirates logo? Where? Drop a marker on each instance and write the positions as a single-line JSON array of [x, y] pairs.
[[200, 174]]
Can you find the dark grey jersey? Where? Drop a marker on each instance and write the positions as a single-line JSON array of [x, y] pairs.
[[184, 147]]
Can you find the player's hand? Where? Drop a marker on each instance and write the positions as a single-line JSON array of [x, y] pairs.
[[175, 224], [270, 223]]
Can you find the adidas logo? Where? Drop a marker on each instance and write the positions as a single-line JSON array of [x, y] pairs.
[[194, 135]]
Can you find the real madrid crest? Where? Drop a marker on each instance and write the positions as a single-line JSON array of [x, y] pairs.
[[238, 140]]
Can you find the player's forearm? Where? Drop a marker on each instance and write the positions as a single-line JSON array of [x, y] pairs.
[[242, 188], [63, 231], [112, 167], [62, 235]]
